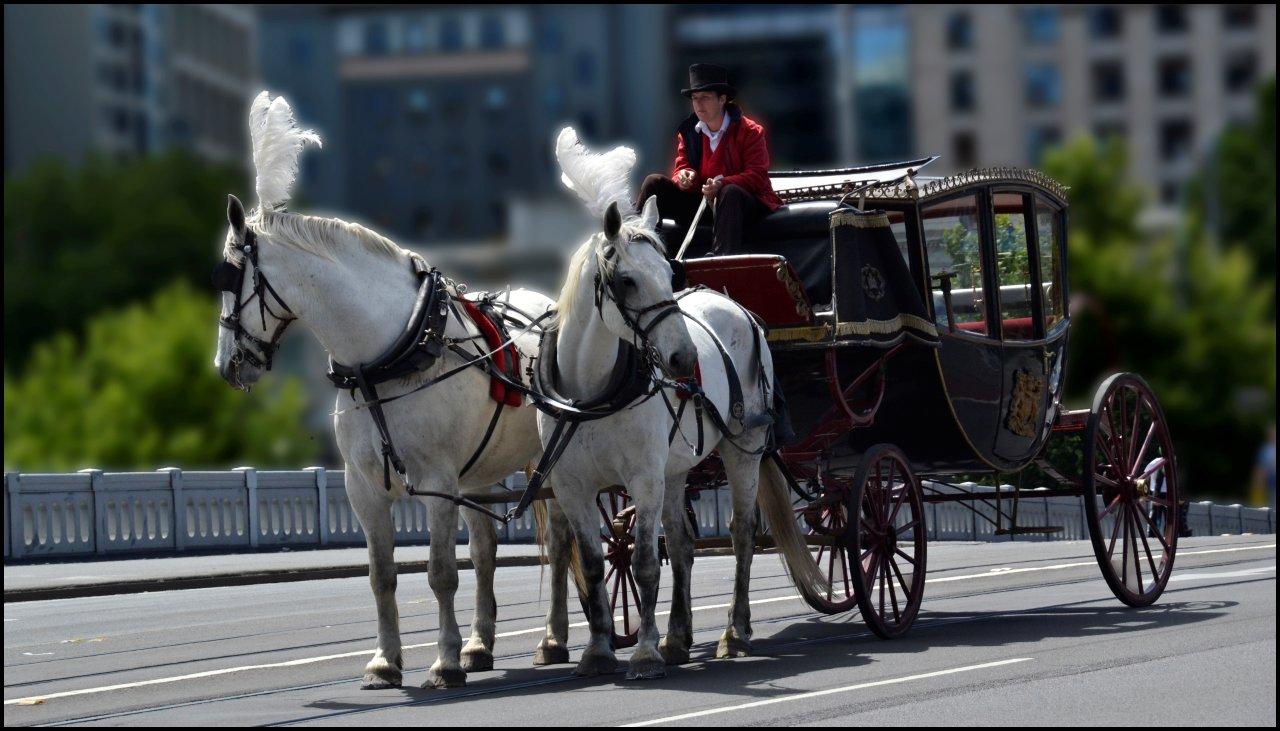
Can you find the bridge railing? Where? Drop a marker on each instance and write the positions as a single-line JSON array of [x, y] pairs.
[[95, 513]]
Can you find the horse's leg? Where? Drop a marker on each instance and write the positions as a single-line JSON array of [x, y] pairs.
[[483, 544], [580, 509], [442, 575], [373, 510], [554, 647], [646, 493], [743, 473], [675, 646]]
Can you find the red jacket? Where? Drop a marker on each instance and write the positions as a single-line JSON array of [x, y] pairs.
[[742, 156]]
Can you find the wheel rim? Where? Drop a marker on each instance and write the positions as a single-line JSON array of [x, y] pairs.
[[618, 535], [827, 520], [1132, 485], [891, 539]]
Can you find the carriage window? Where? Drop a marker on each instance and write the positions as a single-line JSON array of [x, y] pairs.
[[952, 242], [898, 225], [1013, 265], [1049, 233]]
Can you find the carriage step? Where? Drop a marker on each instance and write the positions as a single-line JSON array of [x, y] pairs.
[[1028, 529]]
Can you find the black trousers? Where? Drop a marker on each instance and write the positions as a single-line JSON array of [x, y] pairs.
[[735, 210]]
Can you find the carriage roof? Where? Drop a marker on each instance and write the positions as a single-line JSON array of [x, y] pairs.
[[901, 181]]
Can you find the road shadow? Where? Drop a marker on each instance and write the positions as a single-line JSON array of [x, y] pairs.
[[809, 645]]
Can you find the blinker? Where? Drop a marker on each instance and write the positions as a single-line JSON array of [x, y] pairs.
[[226, 277]]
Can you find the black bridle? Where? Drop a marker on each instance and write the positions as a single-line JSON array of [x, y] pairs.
[[228, 277], [608, 287]]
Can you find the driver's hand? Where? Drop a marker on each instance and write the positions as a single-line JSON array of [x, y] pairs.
[[711, 187], [685, 179]]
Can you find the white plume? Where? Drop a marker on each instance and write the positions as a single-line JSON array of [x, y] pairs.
[[599, 178], [277, 142]]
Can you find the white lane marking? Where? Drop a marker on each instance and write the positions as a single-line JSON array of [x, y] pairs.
[[828, 691], [520, 632], [1004, 571], [1223, 574]]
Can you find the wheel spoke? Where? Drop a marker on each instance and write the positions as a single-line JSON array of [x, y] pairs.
[[1146, 443], [908, 558], [1159, 534], [1156, 465], [1132, 435], [897, 505], [893, 595], [906, 526], [1115, 530], [1124, 549], [1137, 562], [1109, 508], [1146, 546], [902, 581]]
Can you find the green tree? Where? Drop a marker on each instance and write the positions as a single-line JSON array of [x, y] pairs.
[[139, 391], [1180, 309], [79, 240]]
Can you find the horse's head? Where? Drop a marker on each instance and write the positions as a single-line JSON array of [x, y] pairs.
[[634, 294], [253, 316]]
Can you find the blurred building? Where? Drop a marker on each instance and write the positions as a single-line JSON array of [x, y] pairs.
[[997, 85], [126, 80], [439, 116]]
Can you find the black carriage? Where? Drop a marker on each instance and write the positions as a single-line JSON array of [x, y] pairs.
[[919, 327]]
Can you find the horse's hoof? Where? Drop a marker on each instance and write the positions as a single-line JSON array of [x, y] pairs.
[[445, 678], [375, 682], [550, 653], [732, 647], [647, 669], [674, 653], [381, 674], [596, 664], [477, 660]]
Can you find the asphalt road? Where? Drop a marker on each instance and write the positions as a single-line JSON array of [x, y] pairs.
[[1009, 634]]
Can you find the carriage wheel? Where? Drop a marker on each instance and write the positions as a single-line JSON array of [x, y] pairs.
[[1131, 489], [827, 519], [890, 539], [618, 534]]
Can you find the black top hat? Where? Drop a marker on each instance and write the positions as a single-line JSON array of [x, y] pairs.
[[709, 77]]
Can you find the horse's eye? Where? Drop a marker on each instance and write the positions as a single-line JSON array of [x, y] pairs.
[[629, 282]]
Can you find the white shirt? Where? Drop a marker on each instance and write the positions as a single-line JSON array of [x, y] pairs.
[[713, 137]]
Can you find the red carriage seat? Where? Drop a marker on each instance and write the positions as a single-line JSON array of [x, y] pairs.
[[1016, 328], [765, 284]]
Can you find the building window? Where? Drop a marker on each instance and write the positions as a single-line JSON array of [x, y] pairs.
[[1040, 25], [1239, 17], [451, 34], [1175, 139], [419, 102], [1174, 76], [498, 162], [299, 50], [495, 97], [962, 97], [415, 36], [1044, 88], [1040, 139], [492, 34], [1170, 193], [964, 150], [1240, 72], [376, 42], [959, 32], [1108, 81], [1105, 21], [1109, 131], [1172, 19]]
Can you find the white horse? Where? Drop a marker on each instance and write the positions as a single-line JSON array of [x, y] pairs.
[[355, 291], [619, 288]]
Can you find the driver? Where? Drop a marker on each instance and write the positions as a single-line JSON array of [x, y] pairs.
[[720, 155]]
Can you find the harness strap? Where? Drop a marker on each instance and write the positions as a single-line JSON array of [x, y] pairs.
[[484, 442], [561, 435]]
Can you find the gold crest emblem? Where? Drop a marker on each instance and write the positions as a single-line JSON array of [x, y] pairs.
[[1024, 404]]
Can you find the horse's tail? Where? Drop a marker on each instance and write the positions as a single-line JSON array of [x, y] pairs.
[[772, 497], [542, 524]]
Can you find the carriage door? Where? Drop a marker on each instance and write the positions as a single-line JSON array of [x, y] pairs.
[[1026, 392]]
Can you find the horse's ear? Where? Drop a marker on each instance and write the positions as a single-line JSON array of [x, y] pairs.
[[235, 214], [649, 215], [612, 221]]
